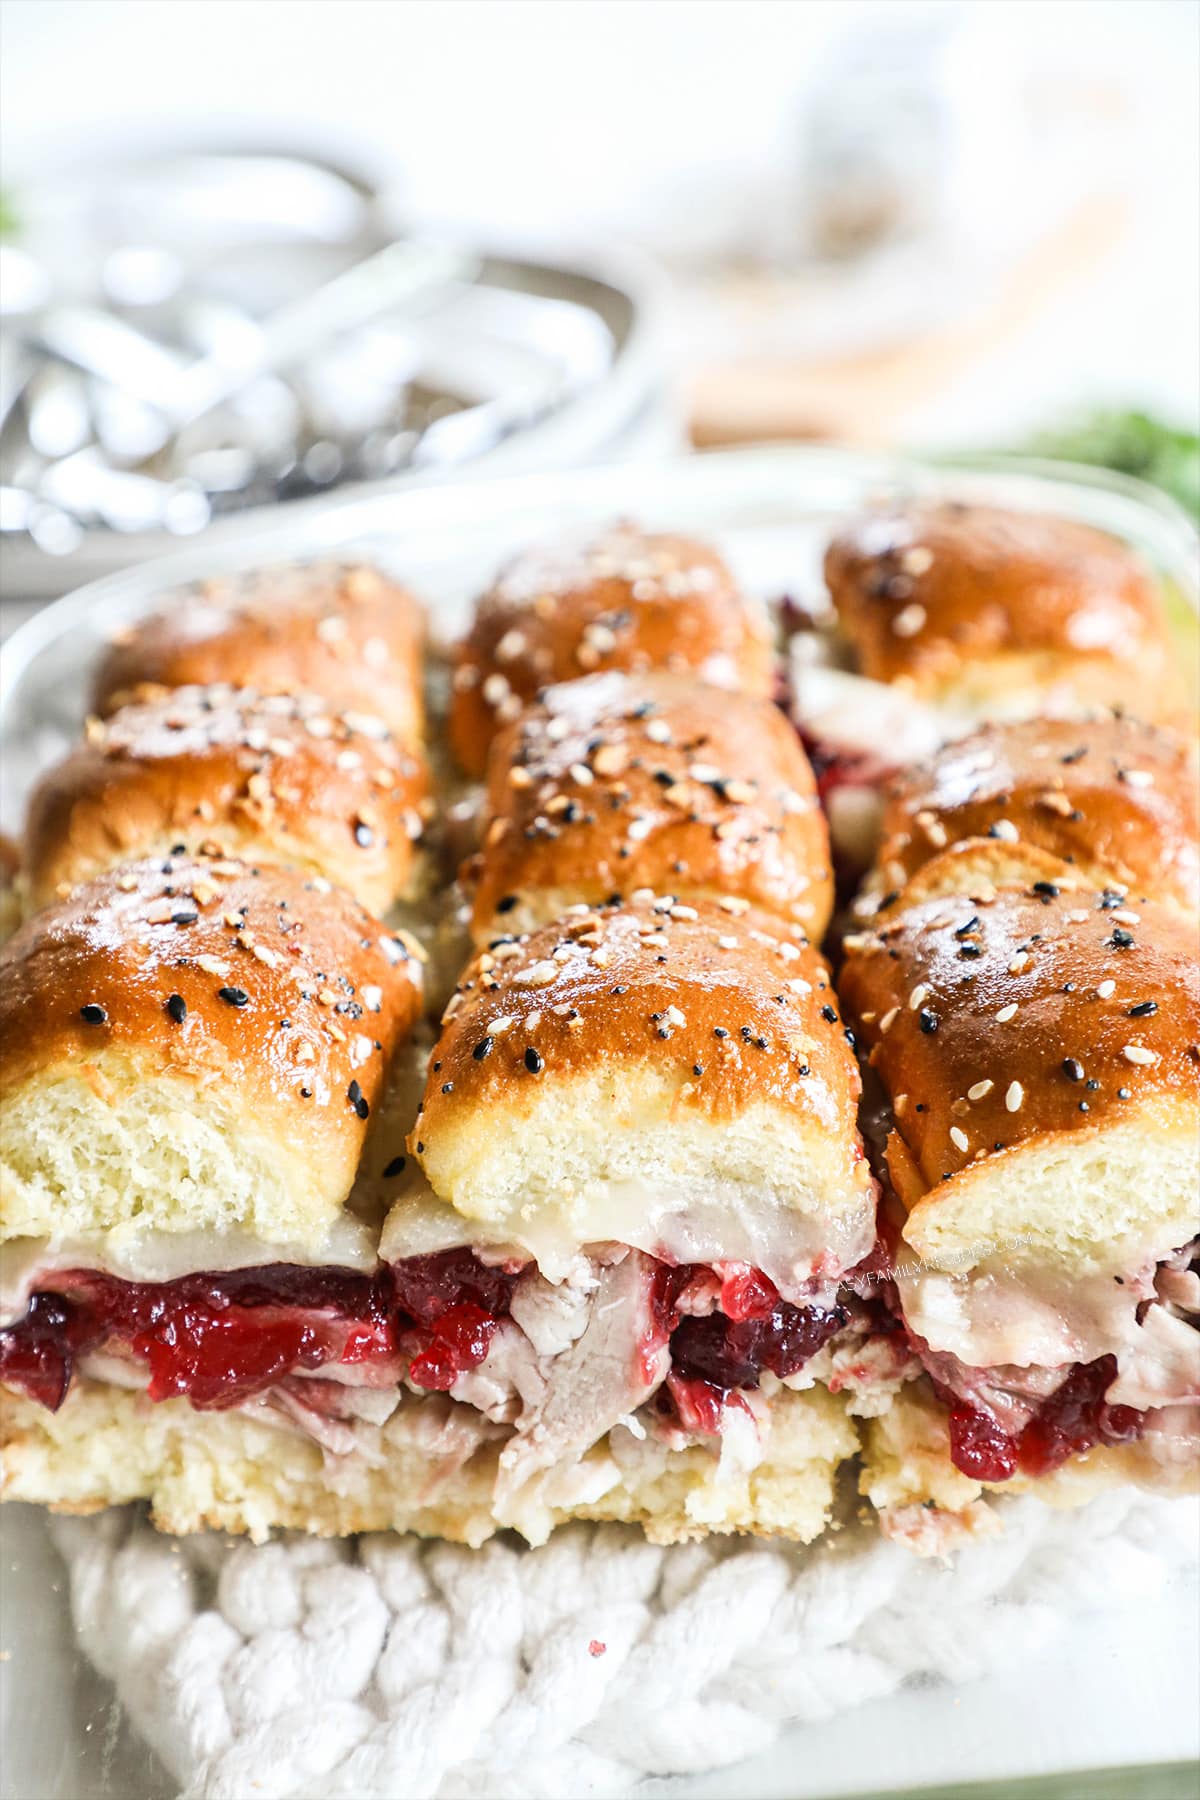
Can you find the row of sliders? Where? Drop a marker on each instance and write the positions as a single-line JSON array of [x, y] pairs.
[[636, 1262]]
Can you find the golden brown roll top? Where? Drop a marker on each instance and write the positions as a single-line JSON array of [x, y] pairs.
[[345, 632], [1004, 612], [616, 782], [667, 1075], [1114, 798], [271, 778], [623, 599], [192, 1045], [1040, 1048]]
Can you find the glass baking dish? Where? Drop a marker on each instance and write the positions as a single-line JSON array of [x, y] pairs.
[[770, 511]]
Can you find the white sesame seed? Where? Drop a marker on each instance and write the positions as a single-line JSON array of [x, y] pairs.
[[918, 997], [1140, 778], [579, 772], [1126, 917], [889, 1019], [899, 1105], [979, 1090], [639, 829], [959, 1138], [1019, 963], [1006, 831], [1014, 1096], [1007, 1012], [909, 620], [1105, 990], [658, 731], [538, 974], [504, 1023], [495, 689], [727, 943], [1137, 1053], [510, 646]]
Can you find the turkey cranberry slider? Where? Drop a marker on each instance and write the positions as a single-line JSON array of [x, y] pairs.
[[1113, 798], [1039, 1047], [646, 1114], [616, 782], [192, 1051], [622, 598], [342, 631], [273, 778]]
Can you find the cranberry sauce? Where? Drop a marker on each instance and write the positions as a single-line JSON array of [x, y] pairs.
[[1074, 1418], [714, 1356], [218, 1339]]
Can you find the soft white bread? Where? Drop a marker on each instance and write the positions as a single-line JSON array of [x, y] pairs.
[[1040, 1049], [921, 1497], [231, 772], [339, 630], [675, 1077], [194, 1045], [616, 782], [430, 1470], [1002, 614], [618, 599], [1114, 798]]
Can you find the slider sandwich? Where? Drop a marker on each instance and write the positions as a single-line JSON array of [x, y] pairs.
[[1036, 1041], [343, 631], [622, 599]]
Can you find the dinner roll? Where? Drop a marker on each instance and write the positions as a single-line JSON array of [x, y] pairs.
[[1002, 613], [193, 1044], [1115, 798], [1040, 1048], [665, 1075], [620, 599], [342, 631], [616, 782], [273, 778]]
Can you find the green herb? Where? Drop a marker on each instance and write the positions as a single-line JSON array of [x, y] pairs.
[[1132, 443]]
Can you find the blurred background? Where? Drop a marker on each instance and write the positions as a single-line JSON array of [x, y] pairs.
[[621, 228]]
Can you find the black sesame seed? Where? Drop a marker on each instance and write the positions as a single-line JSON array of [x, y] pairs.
[[697, 1068], [1121, 939], [1123, 1093], [395, 1167], [177, 1007], [1091, 1083], [483, 1048], [1072, 1068], [928, 1021], [357, 1100], [506, 903], [969, 951], [420, 1148], [1074, 756], [306, 1093], [447, 1087], [187, 915], [827, 1012], [234, 996], [971, 925], [719, 1031], [1143, 1009], [91, 1014], [364, 837], [1048, 890], [621, 989], [1084, 1107], [534, 1062]]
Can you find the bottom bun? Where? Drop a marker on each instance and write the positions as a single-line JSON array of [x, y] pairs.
[[921, 1497], [425, 1470]]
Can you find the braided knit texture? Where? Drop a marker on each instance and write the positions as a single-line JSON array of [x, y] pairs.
[[392, 1666]]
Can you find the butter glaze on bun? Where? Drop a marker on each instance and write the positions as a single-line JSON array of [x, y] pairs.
[[275, 779], [1010, 613], [1040, 1048], [343, 631], [622, 599], [1114, 798], [617, 782], [648, 1056], [193, 1044]]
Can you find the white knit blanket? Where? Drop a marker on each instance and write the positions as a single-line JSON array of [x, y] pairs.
[[391, 1666]]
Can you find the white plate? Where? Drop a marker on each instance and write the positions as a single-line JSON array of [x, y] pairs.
[[1118, 1692]]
